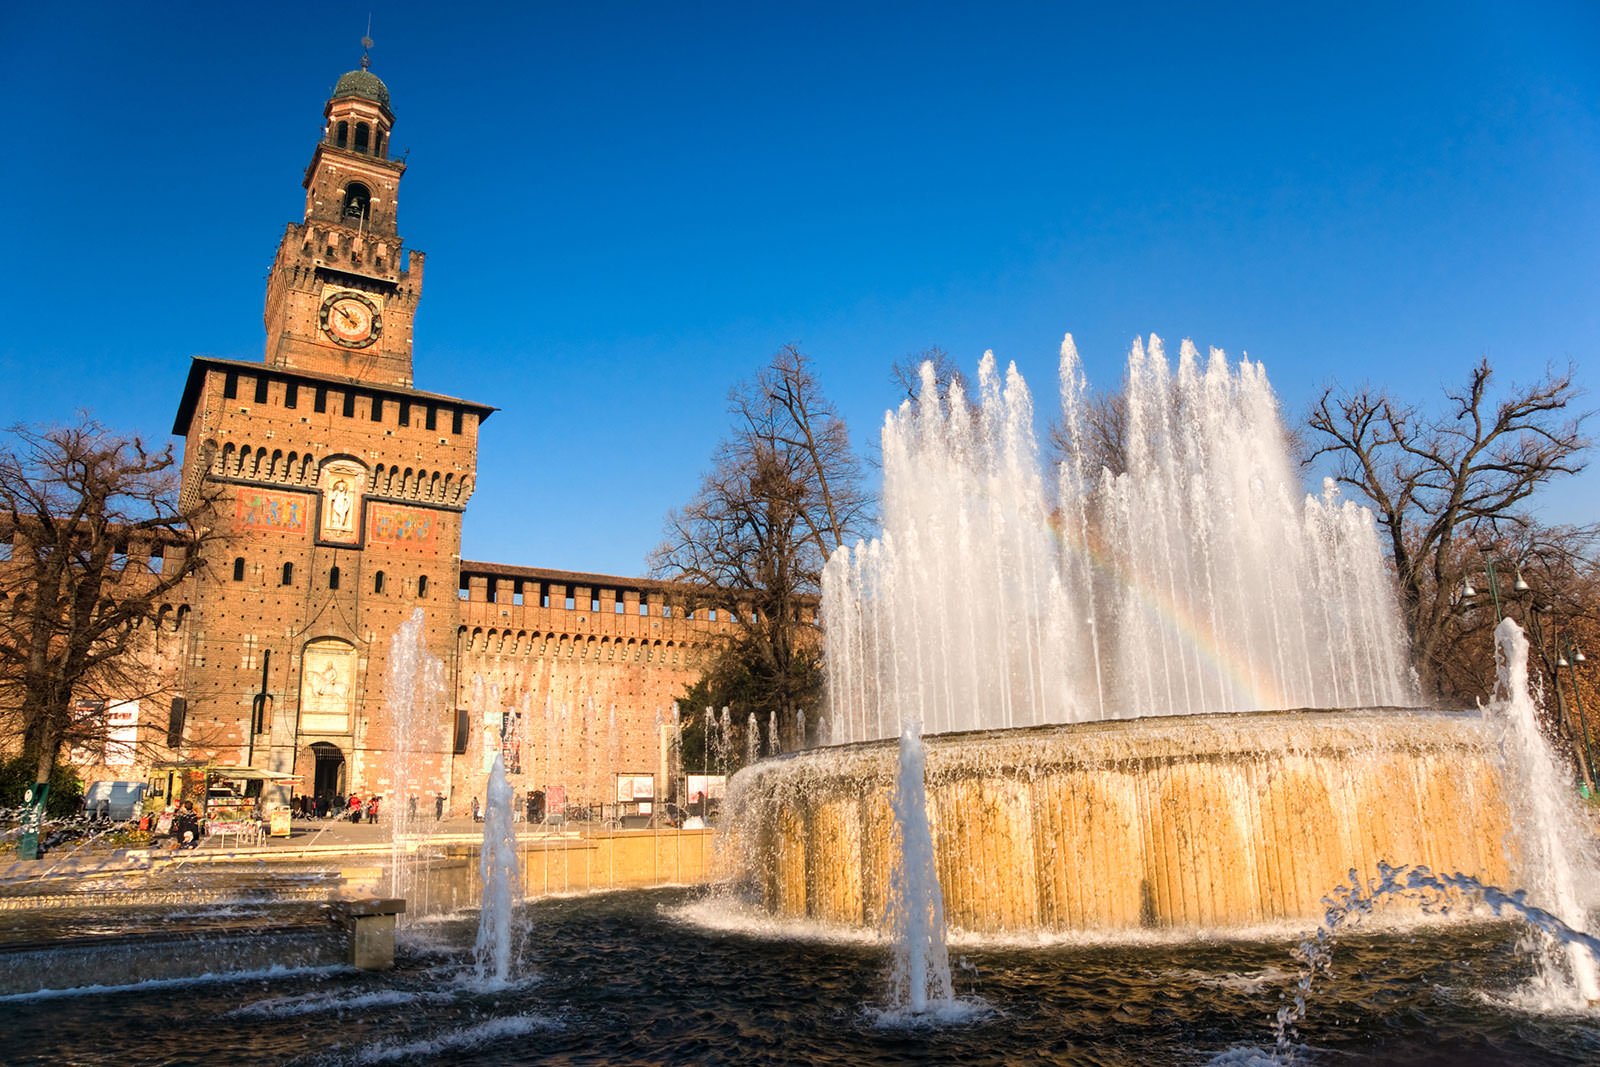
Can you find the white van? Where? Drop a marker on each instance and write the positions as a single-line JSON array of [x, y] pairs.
[[117, 801]]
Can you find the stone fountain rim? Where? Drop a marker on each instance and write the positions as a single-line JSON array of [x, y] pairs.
[[945, 749]]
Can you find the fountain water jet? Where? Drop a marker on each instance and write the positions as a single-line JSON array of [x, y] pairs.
[[1196, 579], [497, 867], [920, 979], [1556, 851], [413, 687], [1357, 898]]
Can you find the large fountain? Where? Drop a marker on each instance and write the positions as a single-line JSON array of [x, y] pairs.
[[1105, 661], [1039, 801]]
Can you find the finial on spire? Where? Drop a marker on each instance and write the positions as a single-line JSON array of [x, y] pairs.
[[366, 44]]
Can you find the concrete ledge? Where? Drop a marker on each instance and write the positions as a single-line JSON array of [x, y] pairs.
[[371, 924], [120, 961], [349, 910]]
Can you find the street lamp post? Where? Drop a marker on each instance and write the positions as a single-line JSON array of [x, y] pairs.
[[1519, 586], [1570, 660]]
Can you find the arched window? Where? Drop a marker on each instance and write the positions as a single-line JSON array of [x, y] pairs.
[[377, 582], [333, 577], [357, 199], [378, 145], [422, 586], [288, 574], [238, 568], [344, 135], [363, 135]]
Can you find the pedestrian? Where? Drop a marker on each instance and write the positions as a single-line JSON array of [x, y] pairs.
[[411, 808], [438, 807], [372, 810], [476, 817], [186, 826], [354, 808]]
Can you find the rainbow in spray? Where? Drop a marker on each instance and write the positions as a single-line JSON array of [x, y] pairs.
[[1173, 566]]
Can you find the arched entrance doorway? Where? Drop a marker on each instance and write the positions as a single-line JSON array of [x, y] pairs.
[[328, 780]]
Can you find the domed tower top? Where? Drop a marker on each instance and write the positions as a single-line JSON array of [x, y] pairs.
[[362, 83], [343, 289], [358, 112]]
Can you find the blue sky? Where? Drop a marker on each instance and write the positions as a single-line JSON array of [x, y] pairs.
[[628, 207]]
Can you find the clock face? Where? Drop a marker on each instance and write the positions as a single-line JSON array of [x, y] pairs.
[[350, 319]]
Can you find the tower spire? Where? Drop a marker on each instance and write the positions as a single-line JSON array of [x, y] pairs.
[[366, 44]]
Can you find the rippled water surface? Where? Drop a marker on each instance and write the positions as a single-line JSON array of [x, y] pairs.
[[624, 979]]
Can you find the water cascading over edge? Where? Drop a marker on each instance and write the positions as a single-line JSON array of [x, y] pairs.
[[1196, 579]]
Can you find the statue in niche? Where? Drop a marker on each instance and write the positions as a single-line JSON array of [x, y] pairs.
[[340, 507]]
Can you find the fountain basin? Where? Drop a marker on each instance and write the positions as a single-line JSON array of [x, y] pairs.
[[1210, 822]]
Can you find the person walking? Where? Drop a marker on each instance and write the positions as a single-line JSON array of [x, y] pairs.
[[354, 808], [476, 817], [372, 810]]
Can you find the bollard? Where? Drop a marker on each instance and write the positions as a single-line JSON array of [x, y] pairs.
[[370, 923]]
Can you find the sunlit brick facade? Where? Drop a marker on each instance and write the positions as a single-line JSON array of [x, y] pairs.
[[340, 490]]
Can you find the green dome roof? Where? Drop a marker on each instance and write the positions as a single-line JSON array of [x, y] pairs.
[[362, 83]]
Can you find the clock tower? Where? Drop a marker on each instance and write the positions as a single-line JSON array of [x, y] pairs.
[[342, 294], [336, 493]]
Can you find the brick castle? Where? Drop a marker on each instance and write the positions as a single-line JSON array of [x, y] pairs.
[[340, 493]]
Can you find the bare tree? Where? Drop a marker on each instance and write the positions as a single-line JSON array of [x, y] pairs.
[[1441, 485], [97, 541], [784, 494], [906, 373], [1105, 428]]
